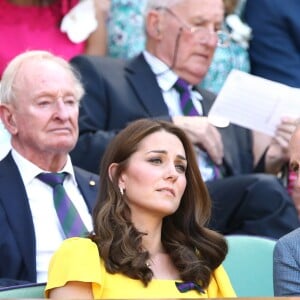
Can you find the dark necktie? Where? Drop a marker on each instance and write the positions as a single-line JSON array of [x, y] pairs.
[[186, 102], [67, 214], [188, 109]]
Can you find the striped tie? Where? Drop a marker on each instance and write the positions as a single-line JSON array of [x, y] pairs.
[[188, 109], [186, 102], [67, 214]]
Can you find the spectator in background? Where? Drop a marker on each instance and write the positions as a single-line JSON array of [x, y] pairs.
[[275, 52], [178, 54], [35, 25], [287, 249], [126, 38], [234, 54], [286, 267], [40, 100], [125, 28], [151, 239], [275, 44]]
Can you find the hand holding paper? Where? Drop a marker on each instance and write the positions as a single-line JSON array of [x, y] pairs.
[[254, 102]]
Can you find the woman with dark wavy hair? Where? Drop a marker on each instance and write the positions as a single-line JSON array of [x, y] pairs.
[[150, 237]]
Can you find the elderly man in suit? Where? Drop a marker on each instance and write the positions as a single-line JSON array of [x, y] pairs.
[[39, 107], [287, 249], [181, 38]]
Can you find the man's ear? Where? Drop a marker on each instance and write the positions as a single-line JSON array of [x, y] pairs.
[[8, 118], [154, 24]]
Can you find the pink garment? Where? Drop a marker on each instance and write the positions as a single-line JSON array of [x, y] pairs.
[[34, 28], [292, 177]]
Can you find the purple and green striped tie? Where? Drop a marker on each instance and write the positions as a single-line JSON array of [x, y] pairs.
[[67, 214], [188, 109], [186, 103]]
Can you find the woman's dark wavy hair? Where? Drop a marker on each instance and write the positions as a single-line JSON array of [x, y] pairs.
[[194, 249]]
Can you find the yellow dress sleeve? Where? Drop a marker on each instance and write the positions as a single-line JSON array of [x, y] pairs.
[[77, 259], [220, 285]]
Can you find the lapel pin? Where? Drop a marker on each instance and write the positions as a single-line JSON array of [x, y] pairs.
[[92, 183]]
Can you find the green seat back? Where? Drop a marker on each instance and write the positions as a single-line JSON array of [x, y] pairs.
[[249, 265], [23, 291]]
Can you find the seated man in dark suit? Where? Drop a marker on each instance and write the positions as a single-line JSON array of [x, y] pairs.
[[286, 258], [39, 107], [181, 39]]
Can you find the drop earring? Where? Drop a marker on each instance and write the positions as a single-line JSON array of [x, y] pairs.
[[121, 191]]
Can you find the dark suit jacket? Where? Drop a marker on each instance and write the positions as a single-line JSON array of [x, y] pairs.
[[275, 46], [286, 265], [119, 92], [17, 238]]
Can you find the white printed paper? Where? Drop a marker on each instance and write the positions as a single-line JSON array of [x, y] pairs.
[[80, 22], [254, 103]]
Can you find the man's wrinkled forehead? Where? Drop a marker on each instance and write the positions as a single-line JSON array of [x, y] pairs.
[[207, 10]]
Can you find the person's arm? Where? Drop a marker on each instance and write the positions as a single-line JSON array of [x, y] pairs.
[[272, 153], [203, 134], [75, 271], [72, 290], [97, 41], [286, 270]]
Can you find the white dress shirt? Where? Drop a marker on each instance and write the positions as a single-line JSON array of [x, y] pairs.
[[166, 79], [48, 231]]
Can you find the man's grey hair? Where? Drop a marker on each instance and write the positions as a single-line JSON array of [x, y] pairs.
[[8, 82], [153, 4]]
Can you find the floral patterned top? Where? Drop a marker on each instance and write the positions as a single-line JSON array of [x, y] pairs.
[[126, 36], [234, 56]]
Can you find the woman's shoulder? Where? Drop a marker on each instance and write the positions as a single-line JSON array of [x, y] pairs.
[[77, 259], [79, 244], [75, 248], [75, 255], [220, 285]]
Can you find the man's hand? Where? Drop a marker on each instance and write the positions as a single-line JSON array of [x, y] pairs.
[[202, 134], [278, 152]]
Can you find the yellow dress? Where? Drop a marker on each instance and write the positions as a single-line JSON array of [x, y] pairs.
[[78, 260]]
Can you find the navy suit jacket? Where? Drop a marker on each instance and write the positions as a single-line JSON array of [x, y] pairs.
[[275, 44], [119, 92], [17, 238]]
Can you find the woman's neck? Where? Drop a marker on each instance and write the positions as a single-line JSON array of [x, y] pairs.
[[152, 242]]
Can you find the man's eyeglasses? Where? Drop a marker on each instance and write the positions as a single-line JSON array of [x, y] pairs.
[[222, 36]]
